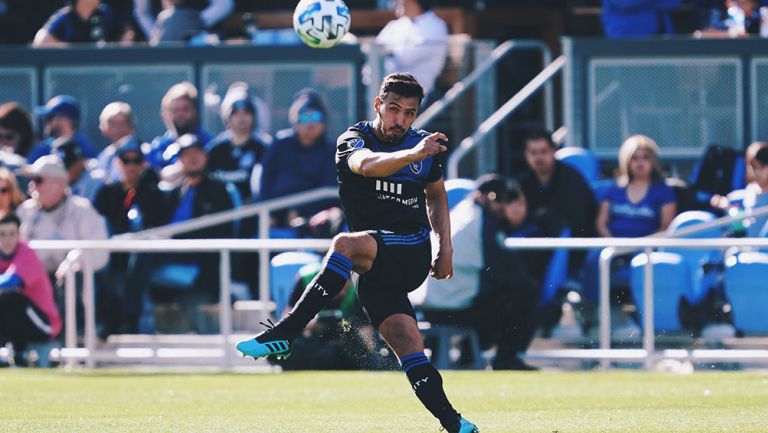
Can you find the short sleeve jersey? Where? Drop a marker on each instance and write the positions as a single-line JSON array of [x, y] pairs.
[[633, 220], [396, 203]]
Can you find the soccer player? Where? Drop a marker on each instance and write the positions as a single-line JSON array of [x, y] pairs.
[[392, 191]]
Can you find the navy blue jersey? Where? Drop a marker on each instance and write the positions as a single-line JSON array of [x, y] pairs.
[[397, 202], [228, 163], [67, 26]]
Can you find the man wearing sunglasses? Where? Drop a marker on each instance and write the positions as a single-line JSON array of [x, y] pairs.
[[53, 213], [135, 203], [301, 158]]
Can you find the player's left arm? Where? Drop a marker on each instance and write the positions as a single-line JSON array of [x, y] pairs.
[[437, 210]]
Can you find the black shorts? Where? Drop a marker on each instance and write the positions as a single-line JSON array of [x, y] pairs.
[[402, 263]]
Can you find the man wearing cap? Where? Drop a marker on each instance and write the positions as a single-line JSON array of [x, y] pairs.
[[199, 195], [83, 182], [180, 115], [61, 117], [53, 213], [235, 155], [301, 158], [492, 289], [133, 204]]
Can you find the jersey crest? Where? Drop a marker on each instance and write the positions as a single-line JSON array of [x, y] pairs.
[[416, 167]]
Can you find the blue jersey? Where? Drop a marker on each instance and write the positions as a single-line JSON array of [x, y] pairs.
[[634, 220], [397, 202]]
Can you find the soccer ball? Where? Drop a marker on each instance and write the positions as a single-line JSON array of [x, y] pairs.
[[321, 23]]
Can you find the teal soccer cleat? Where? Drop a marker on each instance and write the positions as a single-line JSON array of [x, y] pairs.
[[269, 343], [467, 427]]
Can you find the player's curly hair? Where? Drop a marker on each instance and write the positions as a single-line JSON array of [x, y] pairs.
[[402, 84]]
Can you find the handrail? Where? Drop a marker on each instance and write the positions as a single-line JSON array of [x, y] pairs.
[[490, 124], [716, 223], [225, 246], [496, 55], [246, 211]]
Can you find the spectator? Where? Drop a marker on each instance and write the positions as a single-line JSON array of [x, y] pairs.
[[83, 182], [301, 158], [492, 289], [180, 115], [116, 124], [417, 42], [235, 155], [640, 203], [16, 131], [28, 310], [637, 18], [10, 195], [52, 213], [131, 205], [551, 188], [181, 20], [757, 193], [200, 195], [720, 22], [750, 156], [85, 21], [62, 118]]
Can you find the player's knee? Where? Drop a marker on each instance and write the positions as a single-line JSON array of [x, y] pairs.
[[359, 248]]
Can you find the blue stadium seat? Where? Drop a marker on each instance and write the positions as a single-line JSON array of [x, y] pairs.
[[457, 190], [582, 160], [746, 275], [282, 276], [670, 279], [695, 258]]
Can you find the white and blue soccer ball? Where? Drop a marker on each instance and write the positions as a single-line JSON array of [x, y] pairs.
[[321, 23]]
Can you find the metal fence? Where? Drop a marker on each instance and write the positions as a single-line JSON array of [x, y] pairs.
[[684, 93], [142, 75]]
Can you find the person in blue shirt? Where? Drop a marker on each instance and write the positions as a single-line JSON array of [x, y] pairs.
[[637, 18], [181, 116], [61, 117], [301, 158], [85, 21], [640, 203]]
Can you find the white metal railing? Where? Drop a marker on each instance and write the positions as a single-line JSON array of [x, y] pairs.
[[490, 124], [262, 209], [224, 247], [609, 247], [467, 82]]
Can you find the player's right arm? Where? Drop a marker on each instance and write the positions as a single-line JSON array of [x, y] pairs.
[[368, 163]]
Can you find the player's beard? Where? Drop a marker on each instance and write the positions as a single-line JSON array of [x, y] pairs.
[[393, 135]]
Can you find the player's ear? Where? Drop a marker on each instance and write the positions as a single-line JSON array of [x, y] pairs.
[[376, 104]]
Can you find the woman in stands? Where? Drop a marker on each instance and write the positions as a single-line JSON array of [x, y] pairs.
[[10, 195], [640, 203]]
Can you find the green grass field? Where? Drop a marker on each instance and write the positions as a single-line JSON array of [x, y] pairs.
[[336, 402]]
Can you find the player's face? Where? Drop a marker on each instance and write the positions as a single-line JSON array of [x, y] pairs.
[[540, 156], [396, 114], [9, 238]]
